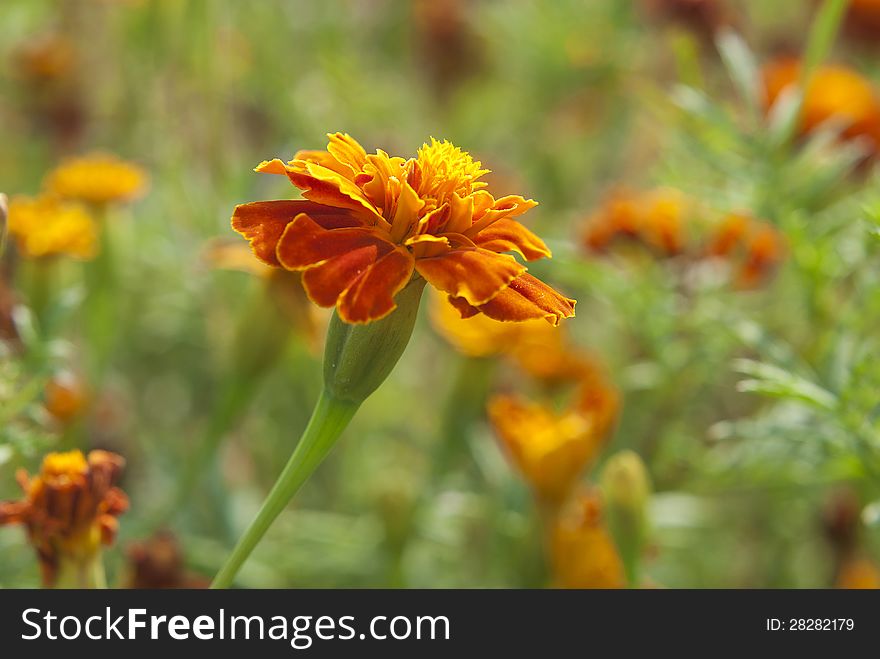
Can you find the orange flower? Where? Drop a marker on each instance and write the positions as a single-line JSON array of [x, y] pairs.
[[858, 573], [371, 222], [69, 509], [549, 448], [654, 219], [46, 57], [48, 226], [758, 246], [537, 348], [65, 396], [582, 551], [97, 178], [833, 92]]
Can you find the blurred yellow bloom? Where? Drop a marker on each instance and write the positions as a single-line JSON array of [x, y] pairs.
[[69, 509], [539, 348], [654, 219], [859, 573], [550, 449], [48, 226], [98, 178], [582, 552]]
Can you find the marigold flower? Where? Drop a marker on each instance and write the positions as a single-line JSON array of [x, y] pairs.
[[69, 509], [48, 226], [65, 396], [582, 552], [370, 222], [654, 219], [97, 178], [858, 573], [757, 246], [550, 449], [157, 562], [537, 348], [833, 92]]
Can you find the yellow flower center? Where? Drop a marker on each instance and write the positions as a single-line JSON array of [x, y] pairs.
[[441, 169]]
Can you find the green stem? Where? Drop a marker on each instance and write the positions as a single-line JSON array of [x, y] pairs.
[[329, 419]]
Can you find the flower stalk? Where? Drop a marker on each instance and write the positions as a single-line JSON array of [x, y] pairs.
[[357, 360]]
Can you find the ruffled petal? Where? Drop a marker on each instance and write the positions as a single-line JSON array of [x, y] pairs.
[[305, 244], [475, 274], [507, 235], [263, 222], [509, 206], [347, 151], [326, 282], [528, 297], [371, 296]]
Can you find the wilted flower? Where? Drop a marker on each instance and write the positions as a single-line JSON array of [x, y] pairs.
[[863, 20], [157, 562], [46, 57], [654, 219], [754, 249], [551, 449], [69, 511], [582, 552], [833, 92], [49, 226], [447, 43], [97, 178], [370, 223]]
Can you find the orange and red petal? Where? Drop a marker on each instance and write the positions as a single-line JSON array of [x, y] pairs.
[[526, 298], [475, 274], [326, 282], [263, 222], [305, 243], [371, 296], [507, 235]]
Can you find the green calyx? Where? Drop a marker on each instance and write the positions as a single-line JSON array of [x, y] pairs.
[[358, 358]]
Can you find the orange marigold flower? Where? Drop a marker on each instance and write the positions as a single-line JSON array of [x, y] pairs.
[[46, 57], [758, 247], [858, 573], [539, 349], [654, 219], [833, 92], [69, 509], [549, 448], [65, 396], [582, 551], [48, 226], [370, 222], [98, 178]]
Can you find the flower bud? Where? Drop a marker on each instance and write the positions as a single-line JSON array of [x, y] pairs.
[[627, 488], [358, 358]]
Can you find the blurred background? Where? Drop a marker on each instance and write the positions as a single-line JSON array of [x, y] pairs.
[[711, 417]]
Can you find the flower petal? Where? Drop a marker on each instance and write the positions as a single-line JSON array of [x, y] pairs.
[[371, 296], [347, 151], [475, 274], [305, 243], [509, 206], [528, 297], [506, 235], [326, 282], [263, 222]]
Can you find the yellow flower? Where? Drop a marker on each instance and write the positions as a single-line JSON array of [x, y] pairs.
[[582, 551], [98, 178], [538, 348], [65, 397], [551, 449], [858, 573], [48, 226], [69, 509]]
